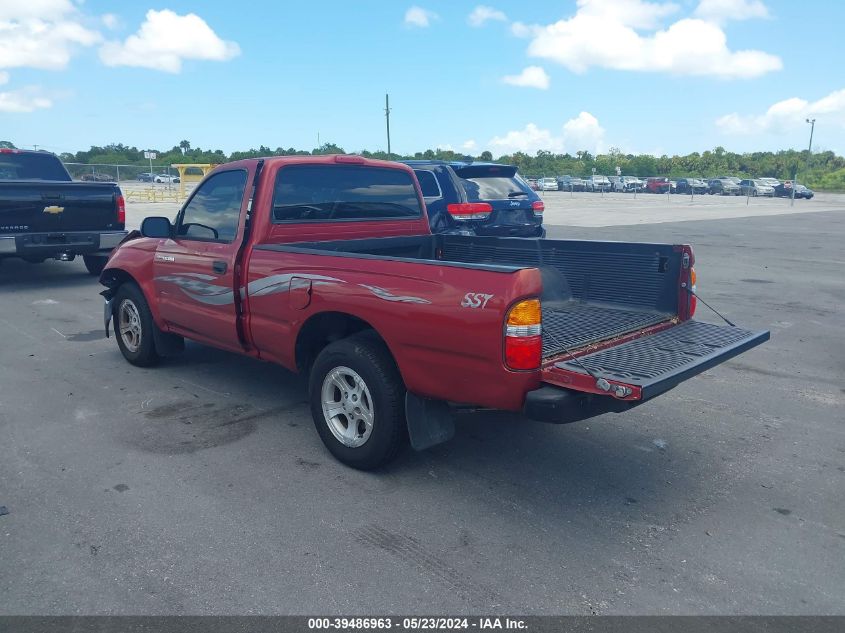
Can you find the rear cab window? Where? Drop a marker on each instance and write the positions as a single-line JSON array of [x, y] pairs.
[[491, 182], [343, 193], [32, 166]]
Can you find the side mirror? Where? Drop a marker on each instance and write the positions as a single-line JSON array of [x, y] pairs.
[[156, 227]]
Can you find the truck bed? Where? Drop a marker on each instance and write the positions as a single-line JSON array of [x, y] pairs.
[[592, 291]]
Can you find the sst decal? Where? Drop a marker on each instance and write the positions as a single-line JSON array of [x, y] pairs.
[[475, 300], [201, 288]]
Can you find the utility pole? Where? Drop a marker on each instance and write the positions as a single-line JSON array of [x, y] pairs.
[[812, 123], [387, 118]]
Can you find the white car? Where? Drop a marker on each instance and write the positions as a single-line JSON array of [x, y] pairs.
[[752, 187], [598, 183], [167, 178], [548, 184], [631, 183]]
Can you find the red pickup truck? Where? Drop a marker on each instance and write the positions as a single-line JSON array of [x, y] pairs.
[[326, 265]]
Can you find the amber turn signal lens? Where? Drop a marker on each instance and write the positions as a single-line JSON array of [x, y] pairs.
[[525, 313]]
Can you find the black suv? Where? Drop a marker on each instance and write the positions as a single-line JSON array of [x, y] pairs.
[[481, 198]]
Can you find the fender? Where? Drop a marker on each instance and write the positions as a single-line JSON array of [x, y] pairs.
[[133, 261]]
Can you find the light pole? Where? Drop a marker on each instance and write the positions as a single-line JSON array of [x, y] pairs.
[[812, 123]]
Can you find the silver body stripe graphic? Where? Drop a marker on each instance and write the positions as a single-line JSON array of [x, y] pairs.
[[381, 293], [196, 286]]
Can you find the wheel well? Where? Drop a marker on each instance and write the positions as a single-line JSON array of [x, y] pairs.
[[113, 278], [325, 328]]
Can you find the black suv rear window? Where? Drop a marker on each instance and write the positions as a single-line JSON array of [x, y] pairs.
[[492, 188], [32, 167], [321, 193], [491, 182]]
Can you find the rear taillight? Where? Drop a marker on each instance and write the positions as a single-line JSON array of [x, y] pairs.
[[470, 210], [523, 335], [120, 208], [538, 207], [693, 302]]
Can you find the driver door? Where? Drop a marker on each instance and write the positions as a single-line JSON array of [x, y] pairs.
[[194, 271]]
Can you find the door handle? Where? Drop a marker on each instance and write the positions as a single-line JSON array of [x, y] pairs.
[[219, 267]]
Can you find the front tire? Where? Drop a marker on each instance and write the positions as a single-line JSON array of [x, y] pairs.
[[133, 326], [357, 402], [95, 264]]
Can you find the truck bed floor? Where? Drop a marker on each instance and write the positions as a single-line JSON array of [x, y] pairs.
[[573, 324]]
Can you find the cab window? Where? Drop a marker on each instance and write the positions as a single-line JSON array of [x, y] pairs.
[[213, 212]]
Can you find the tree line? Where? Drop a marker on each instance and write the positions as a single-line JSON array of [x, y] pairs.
[[819, 170]]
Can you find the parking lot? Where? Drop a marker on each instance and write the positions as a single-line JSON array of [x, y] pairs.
[[201, 487]]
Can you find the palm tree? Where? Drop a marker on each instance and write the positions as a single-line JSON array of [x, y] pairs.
[[185, 146]]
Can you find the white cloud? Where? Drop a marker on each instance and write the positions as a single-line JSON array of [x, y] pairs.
[[634, 13], [41, 33], [417, 16], [724, 10], [530, 77], [529, 139], [581, 133], [165, 40], [110, 21], [469, 145], [23, 100], [606, 34], [787, 115], [34, 9], [482, 14], [584, 132], [4, 77]]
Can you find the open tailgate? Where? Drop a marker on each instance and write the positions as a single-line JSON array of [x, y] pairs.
[[643, 367]]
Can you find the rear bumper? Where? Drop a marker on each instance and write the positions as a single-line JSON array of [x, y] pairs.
[[37, 245], [511, 230], [556, 405]]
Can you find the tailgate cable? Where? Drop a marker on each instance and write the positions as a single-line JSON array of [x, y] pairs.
[[697, 296], [618, 390]]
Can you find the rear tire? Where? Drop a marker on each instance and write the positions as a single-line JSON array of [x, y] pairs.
[[358, 402], [133, 326], [95, 263]]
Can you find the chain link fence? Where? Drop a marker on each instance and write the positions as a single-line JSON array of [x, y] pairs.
[[121, 173]]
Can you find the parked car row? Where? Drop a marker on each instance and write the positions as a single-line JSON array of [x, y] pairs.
[[160, 178], [720, 185]]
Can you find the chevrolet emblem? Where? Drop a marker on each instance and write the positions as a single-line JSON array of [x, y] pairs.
[[53, 210]]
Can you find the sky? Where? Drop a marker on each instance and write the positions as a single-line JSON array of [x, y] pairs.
[[504, 76]]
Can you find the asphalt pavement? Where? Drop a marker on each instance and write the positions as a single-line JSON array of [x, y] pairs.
[[201, 487]]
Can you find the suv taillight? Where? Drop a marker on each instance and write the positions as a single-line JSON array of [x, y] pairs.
[[470, 210], [523, 335], [538, 207], [120, 209]]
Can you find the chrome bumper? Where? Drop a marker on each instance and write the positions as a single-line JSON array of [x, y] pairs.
[[79, 242]]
